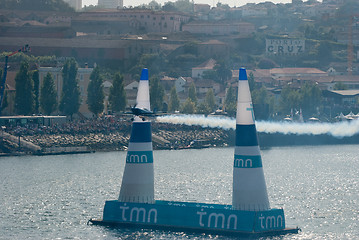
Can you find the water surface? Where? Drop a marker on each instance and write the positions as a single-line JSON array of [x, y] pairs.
[[53, 197]]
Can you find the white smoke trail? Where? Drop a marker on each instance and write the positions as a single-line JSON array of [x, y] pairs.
[[339, 129]]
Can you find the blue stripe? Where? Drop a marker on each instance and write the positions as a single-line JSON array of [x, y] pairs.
[[242, 74], [244, 161], [139, 157], [144, 74], [141, 132], [246, 135]]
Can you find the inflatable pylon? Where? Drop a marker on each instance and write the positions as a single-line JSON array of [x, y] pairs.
[[138, 177], [249, 186]]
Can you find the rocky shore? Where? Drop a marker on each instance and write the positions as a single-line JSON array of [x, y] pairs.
[[112, 135]]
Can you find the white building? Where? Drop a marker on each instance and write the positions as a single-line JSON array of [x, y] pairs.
[[110, 4], [76, 4]]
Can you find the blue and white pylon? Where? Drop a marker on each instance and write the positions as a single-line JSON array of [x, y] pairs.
[[138, 177], [249, 186]]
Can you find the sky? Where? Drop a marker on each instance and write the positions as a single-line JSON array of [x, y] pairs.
[[231, 3]]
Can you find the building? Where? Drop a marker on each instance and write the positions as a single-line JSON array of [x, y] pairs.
[[242, 29], [197, 72], [76, 4], [83, 77], [278, 77], [348, 98], [110, 4], [213, 48], [129, 21]]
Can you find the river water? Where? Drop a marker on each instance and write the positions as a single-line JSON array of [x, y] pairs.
[[53, 197]]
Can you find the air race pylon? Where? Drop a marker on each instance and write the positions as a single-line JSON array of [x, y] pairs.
[[250, 215], [138, 177], [249, 186]]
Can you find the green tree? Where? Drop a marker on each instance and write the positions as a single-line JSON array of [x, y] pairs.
[[192, 93], [36, 80], [117, 97], [154, 5], [260, 101], [289, 99], [156, 93], [184, 6], [189, 107], [210, 100], [38, 5], [324, 52], [231, 102], [5, 102], [169, 7], [24, 98], [251, 82], [48, 95], [203, 109], [95, 94], [223, 71], [174, 100], [340, 86], [2, 105], [259, 96], [311, 98], [70, 97]]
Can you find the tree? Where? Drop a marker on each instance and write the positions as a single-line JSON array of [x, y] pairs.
[[203, 109], [35, 79], [156, 93], [70, 98], [251, 82], [117, 97], [324, 52], [189, 107], [210, 100], [192, 93], [95, 95], [231, 102], [48, 95], [266, 63], [340, 86], [223, 71], [169, 7], [2, 105], [311, 98], [260, 103], [154, 5], [289, 99], [24, 98], [174, 100], [5, 102], [38, 5]]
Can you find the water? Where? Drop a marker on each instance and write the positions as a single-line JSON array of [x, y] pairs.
[[52, 197]]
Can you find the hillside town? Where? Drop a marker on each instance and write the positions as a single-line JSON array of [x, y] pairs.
[[301, 57]]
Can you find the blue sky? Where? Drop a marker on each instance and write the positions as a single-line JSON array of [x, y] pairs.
[[210, 2]]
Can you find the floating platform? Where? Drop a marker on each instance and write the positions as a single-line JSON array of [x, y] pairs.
[[194, 217], [250, 213]]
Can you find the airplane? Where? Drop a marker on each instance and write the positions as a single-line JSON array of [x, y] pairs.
[[142, 113]]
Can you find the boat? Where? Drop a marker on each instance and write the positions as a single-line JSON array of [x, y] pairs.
[[250, 213]]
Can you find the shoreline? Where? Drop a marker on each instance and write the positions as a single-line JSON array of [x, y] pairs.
[[164, 136]]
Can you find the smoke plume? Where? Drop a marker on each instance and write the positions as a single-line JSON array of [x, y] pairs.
[[338, 129]]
